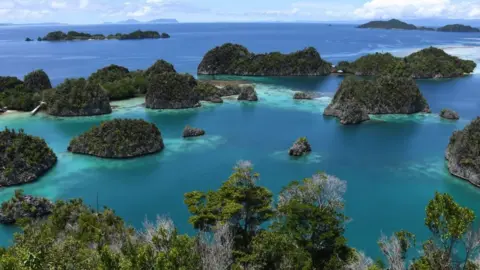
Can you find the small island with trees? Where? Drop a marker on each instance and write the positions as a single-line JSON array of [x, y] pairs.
[[383, 95], [400, 25], [234, 59], [119, 139], [74, 36], [23, 158]]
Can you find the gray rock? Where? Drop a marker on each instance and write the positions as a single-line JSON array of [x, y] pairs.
[[449, 114], [192, 132], [353, 114], [302, 95], [24, 206], [248, 93], [300, 147]]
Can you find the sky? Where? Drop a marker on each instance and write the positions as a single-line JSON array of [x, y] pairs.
[[99, 11]]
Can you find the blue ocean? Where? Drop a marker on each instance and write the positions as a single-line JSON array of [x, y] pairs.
[[393, 165]]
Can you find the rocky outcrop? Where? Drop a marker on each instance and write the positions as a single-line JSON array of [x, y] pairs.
[[23, 158], [303, 95], [119, 138], [463, 153], [172, 91], [159, 67], [37, 80], [300, 148], [449, 114], [77, 97], [24, 207], [192, 132], [234, 59], [384, 95], [354, 113], [248, 94]]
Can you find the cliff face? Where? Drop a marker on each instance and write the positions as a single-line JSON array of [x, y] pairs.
[[463, 153], [23, 158], [384, 95], [171, 91], [78, 97], [24, 206], [234, 59], [37, 80], [119, 138]]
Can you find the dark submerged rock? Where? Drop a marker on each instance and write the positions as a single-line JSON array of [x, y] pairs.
[[23, 158], [192, 132], [234, 59], [24, 207], [302, 95], [77, 97], [248, 94], [300, 147], [172, 91], [384, 95], [463, 153], [449, 114], [119, 138]]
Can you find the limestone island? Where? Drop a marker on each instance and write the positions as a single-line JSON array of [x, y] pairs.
[[393, 24], [424, 64], [25, 95], [22, 206], [234, 59], [248, 94], [459, 28], [77, 97], [300, 147], [192, 132], [23, 158], [449, 114], [384, 95], [463, 153], [119, 139], [213, 91], [171, 91], [74, 36]]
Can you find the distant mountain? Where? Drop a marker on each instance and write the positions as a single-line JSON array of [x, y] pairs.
[[457, 28], [163, 21], [391, 24], [129, 21]]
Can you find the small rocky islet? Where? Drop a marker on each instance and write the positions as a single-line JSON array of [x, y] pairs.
[[23, 158], [22, 206], [75, 36], [189, 132], [449, 114], [400, 25], [463, 153], [300, 147], [119, 139]]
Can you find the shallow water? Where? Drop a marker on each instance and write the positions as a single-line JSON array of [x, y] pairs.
[[393, 164]]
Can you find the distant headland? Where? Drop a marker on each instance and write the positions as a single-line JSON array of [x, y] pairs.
[[397, 24]]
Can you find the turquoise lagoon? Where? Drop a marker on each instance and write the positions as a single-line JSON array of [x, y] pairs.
[[393, 164]]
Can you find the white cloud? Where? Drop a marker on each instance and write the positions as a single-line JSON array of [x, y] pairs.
[[383, 9], [145, 10], [58, 4], [83, 4]]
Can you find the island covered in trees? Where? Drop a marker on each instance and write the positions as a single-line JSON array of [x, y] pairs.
[[119, 138], [74, 35], [400, 25], [234, 59], [23, 158]]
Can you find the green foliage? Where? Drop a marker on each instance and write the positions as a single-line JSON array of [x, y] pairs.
[[235, 59], [390, 24], [20, 98], [37, 80], [464, 146], [7, 82], [108, 74], [77, 97], [171, 91], [239, 202], [159, 67], [457, 28], [74, 35], [370, 65], [23, 157], [119, 138], [136, 35], [385, 94]]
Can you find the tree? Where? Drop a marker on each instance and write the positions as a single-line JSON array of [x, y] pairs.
[[239, 202]]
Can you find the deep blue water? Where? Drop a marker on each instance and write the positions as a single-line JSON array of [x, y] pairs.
[[393, 165]]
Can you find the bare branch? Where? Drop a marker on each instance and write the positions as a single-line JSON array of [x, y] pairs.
[[392, 250], [362, 263], [216, 248]]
